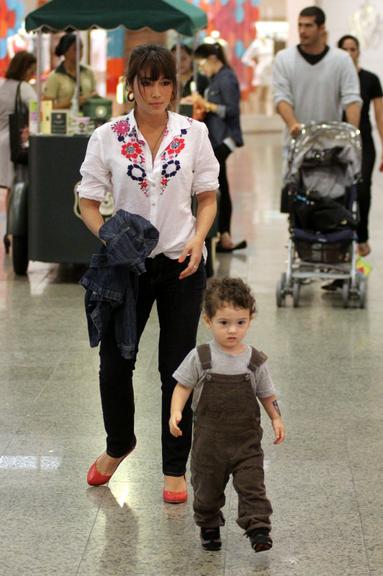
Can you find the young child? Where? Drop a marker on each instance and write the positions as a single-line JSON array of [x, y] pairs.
[[227, 377]]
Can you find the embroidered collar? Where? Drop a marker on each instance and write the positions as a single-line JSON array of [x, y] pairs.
[[133, 147]]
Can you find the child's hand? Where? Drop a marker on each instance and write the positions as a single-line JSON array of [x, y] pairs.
[[279, 430], [175, 419]]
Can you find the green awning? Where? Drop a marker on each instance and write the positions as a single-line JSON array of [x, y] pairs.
[[158, 15]]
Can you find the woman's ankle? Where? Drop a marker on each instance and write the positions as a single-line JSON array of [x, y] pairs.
[[175, 483]]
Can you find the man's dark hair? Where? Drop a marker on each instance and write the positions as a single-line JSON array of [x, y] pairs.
[[319, 15], [228, 292], [342, 40]]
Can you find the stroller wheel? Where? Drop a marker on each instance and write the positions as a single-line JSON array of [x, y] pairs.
[[296, 293], [362, 291], [280, 290], [346, 293]]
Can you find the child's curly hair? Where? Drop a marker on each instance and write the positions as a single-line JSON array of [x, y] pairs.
[[231, 291]]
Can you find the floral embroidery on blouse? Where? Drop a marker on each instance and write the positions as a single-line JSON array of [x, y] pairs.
[[121, 128], [133, 149], [170, 165]]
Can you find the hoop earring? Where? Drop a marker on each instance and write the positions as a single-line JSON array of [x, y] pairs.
[[130, 96]]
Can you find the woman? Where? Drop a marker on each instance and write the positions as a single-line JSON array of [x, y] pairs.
[[370, 91], [185, 71], [221, 103], [60, 85], [153, 160], [21, 68]]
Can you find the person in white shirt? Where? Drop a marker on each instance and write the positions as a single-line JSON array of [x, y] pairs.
[[153, 161], [20, 71], [313, 82]]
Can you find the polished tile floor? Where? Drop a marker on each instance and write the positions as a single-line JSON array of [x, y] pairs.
[[325, 482]]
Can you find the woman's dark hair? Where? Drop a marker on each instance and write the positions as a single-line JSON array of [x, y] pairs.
[[206, 50], [64, 44], [155, 61], [183, 47], [342, 40], [228, 291], [19, 65], [319, 15]]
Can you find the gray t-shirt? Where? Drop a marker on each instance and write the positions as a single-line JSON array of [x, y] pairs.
[[190, 372]]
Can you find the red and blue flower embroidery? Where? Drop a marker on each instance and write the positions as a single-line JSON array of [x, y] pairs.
[[133, 149], [170, 165]]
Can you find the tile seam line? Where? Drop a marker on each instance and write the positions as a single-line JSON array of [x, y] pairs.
[[89, 536], [36, 399], [359, 512]]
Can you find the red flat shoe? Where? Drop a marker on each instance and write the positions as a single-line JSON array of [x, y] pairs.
[[174, 497], [95, 478]]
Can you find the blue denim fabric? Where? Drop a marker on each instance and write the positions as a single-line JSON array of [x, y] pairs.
[[111, 281], [224, 90]]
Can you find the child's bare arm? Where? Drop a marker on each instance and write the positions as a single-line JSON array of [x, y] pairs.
[[270, 404], [180, 397]]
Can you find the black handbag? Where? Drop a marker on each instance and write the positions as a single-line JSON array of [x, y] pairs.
[[18, 120]]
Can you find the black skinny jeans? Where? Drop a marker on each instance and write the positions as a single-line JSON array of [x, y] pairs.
[[178, 307], [222, 152], [364, 188]]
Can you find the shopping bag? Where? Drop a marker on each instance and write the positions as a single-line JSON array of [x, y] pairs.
[[18, 120]]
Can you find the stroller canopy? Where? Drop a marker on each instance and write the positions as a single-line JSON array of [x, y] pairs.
[[328, 155]]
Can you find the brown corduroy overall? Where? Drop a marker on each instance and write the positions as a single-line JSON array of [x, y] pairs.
[[227, 440]]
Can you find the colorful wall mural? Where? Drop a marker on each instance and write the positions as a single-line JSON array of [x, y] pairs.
[[11, 17], [235, 20]]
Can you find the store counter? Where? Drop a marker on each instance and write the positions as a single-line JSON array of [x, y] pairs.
[[55, 232]]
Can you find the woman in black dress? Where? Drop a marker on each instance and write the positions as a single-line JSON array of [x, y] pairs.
[[370, 91]]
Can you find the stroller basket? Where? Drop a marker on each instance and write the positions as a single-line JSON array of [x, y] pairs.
[[317, 253], [332, 248]]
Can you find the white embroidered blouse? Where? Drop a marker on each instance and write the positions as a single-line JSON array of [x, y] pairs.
[[118, 159]]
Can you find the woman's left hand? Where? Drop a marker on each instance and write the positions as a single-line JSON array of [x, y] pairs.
[[193, 249]]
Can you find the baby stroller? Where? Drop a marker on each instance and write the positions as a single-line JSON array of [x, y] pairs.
[[319, 194]]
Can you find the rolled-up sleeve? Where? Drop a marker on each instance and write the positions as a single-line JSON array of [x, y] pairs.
[[281, 83], [96, 178], [350, 86], [206, 166]]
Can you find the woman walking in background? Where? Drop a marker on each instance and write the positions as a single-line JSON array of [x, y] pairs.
[[370, 91], [221, 103], [21, 69]]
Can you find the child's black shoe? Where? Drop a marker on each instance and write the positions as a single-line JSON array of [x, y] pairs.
[[211, 539], [260, 539]]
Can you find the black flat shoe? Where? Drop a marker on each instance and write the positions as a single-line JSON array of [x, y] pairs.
[[260, 540], [7, 243], [211, 539], [239, 246]]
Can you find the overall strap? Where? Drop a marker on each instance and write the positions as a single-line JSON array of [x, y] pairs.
[[257, 359], [204, 355]]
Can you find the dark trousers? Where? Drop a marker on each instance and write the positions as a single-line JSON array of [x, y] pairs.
[[178, 307], [216, 456], [222, 152], [364, 189]]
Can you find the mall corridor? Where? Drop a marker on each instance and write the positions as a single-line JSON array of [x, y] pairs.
[[325, 482]]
